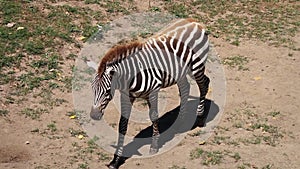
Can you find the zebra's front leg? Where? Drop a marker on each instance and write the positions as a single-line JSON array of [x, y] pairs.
[[118, 159], [126, 105], [184, 91], [153, 113]]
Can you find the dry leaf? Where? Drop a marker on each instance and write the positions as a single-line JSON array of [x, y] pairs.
[[59, 76], [20, 28], [73, 117], [257, 78], [80, 136], [81, 38], [202, 142]]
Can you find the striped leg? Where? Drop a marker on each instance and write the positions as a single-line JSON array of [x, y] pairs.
[[184, 91], [126, 105], [153, 113], [203, 83]]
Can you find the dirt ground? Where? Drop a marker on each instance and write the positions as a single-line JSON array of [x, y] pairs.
[[258, 129]]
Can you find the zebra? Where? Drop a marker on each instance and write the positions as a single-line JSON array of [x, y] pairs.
[[140, 69]]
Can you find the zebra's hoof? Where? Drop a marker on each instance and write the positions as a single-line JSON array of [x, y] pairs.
[[153, 151], [200, 122], [110, 166]]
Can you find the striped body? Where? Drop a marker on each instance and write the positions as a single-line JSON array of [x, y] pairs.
[[164, 60]]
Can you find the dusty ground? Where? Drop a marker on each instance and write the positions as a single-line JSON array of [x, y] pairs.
[[259, 127]]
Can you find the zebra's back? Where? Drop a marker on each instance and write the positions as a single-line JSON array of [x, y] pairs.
[[166, 58]]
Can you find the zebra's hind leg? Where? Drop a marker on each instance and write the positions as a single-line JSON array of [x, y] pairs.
[[153, 113], [203, 84]]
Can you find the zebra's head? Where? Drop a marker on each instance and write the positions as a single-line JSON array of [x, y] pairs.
[[103, 93]]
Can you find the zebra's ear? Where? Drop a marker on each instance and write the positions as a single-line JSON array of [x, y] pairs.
[[109, 71]]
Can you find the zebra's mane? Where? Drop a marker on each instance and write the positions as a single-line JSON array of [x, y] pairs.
[[117, 53]]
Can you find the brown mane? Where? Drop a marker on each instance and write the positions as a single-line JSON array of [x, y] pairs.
[[118, 52]]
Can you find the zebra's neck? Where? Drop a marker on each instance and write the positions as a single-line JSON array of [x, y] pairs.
[[117, 53], [123, 74]]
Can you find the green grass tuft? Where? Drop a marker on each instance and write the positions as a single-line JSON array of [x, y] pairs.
[[237, 61], [176, 167], [34, 113], [52, 126], [179, 10], [3, 112]]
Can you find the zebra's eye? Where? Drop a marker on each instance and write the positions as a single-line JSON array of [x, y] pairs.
[[109, 95], [108, 91]]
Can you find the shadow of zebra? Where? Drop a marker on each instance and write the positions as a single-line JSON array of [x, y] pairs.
[[168, 128]]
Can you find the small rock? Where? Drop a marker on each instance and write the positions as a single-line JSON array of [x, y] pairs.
[[9, 25], [27, 142]]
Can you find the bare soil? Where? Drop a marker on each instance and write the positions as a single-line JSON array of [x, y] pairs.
[[270, 84]]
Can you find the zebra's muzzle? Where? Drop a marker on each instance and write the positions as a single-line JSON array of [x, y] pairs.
[[96, 113]]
